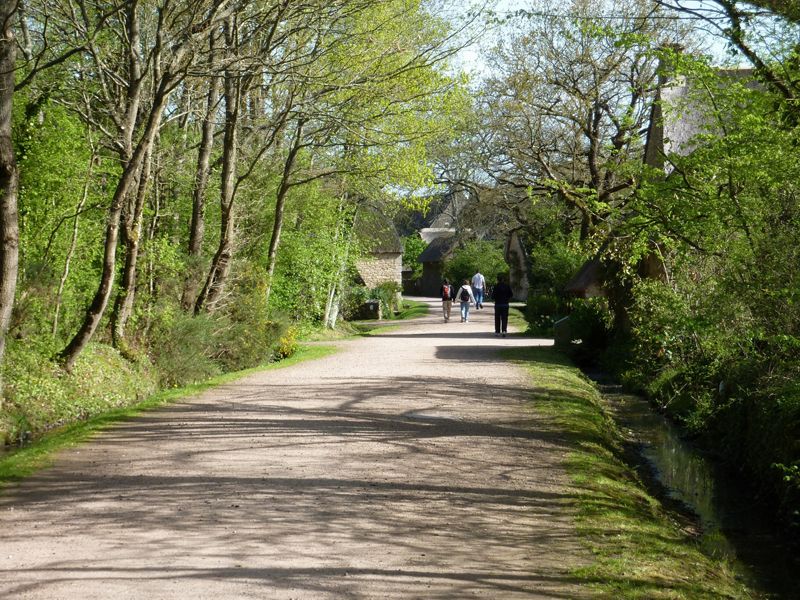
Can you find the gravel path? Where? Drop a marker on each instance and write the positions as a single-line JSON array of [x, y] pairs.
[[405, 466]]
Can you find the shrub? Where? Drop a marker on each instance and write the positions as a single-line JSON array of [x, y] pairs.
[[388, 293], [477, 255], [591, 321], [542, 310], [182, 347], [247, 336], [351, 300], [553, 264]]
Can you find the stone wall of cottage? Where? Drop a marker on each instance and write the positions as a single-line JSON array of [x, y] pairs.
[[381, 268]]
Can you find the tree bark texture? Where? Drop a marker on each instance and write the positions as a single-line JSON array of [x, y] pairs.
[[221, 263], [9, 182], [131, 237], [197, 226], [125, 186]]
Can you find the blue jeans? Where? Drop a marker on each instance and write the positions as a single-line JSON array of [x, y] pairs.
[[465, 311], [478, 293]]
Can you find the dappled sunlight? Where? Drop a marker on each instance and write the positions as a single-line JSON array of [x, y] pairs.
[[408, 465]]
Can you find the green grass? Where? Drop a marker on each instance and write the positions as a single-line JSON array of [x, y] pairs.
[[516, 319], [639, 550], [20, 463], [412, 309], [350, 329]]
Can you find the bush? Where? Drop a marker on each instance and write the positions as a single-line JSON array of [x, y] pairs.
[[542, 310], [388, 293], [590, 322], [553, 264], [182, 348], [247, 336], [351, 300], [477, 255]]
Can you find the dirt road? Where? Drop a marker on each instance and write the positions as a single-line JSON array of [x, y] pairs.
[[405, 466]]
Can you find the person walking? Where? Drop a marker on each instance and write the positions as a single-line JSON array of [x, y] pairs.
[[479, 289], [466, 297], [502, 297], [447, 292]]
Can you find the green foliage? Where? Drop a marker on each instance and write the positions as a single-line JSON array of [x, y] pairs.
[[188, 349], [554, 261], [542, 310], [388, 293], [352, 298], [317, 251], [39, 396], [413, 246], [590, 321], [61, 186], [183, 347], [476, 255]]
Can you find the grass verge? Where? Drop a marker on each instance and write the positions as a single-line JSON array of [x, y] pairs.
[[20, 463], [639, 550], [350, 329]]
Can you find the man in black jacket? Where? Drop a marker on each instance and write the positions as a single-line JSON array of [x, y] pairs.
[[502, 297]]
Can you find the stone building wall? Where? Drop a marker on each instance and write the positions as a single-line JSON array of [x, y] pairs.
[[381, 268]]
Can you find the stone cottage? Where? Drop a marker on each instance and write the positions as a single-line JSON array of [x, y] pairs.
[[383, 261]]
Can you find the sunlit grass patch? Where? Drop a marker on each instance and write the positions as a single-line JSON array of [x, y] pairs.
[[639, 550]]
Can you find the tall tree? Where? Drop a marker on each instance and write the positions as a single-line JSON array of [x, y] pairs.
[[130, 116], [9, 178]]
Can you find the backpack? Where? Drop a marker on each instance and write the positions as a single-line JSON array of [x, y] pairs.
[[464, 294], [447, 292]]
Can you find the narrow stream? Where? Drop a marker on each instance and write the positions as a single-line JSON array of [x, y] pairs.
[[733, 525]]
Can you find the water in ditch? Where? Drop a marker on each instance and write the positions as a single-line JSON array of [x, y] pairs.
[[732, 523]]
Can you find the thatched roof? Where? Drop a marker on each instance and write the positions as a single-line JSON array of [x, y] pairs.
[[438, 250], [377, 232], [587, 282]]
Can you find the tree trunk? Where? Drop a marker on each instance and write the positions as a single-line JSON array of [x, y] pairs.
[[96, 310], [131, 235], [197, 227], [221, 263], [280, 203], [9, 183]]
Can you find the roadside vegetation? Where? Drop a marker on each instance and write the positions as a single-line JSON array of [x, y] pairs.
[[20, 462], [654, 190], [640, 551], [188, 193]]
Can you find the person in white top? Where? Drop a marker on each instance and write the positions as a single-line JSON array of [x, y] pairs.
[[479, 289]]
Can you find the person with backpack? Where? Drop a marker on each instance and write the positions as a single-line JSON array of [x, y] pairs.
[[448, 293], [466, 297], [502, 298]]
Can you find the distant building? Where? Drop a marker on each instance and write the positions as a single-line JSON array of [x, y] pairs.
[[384, 261], [432, 259]]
